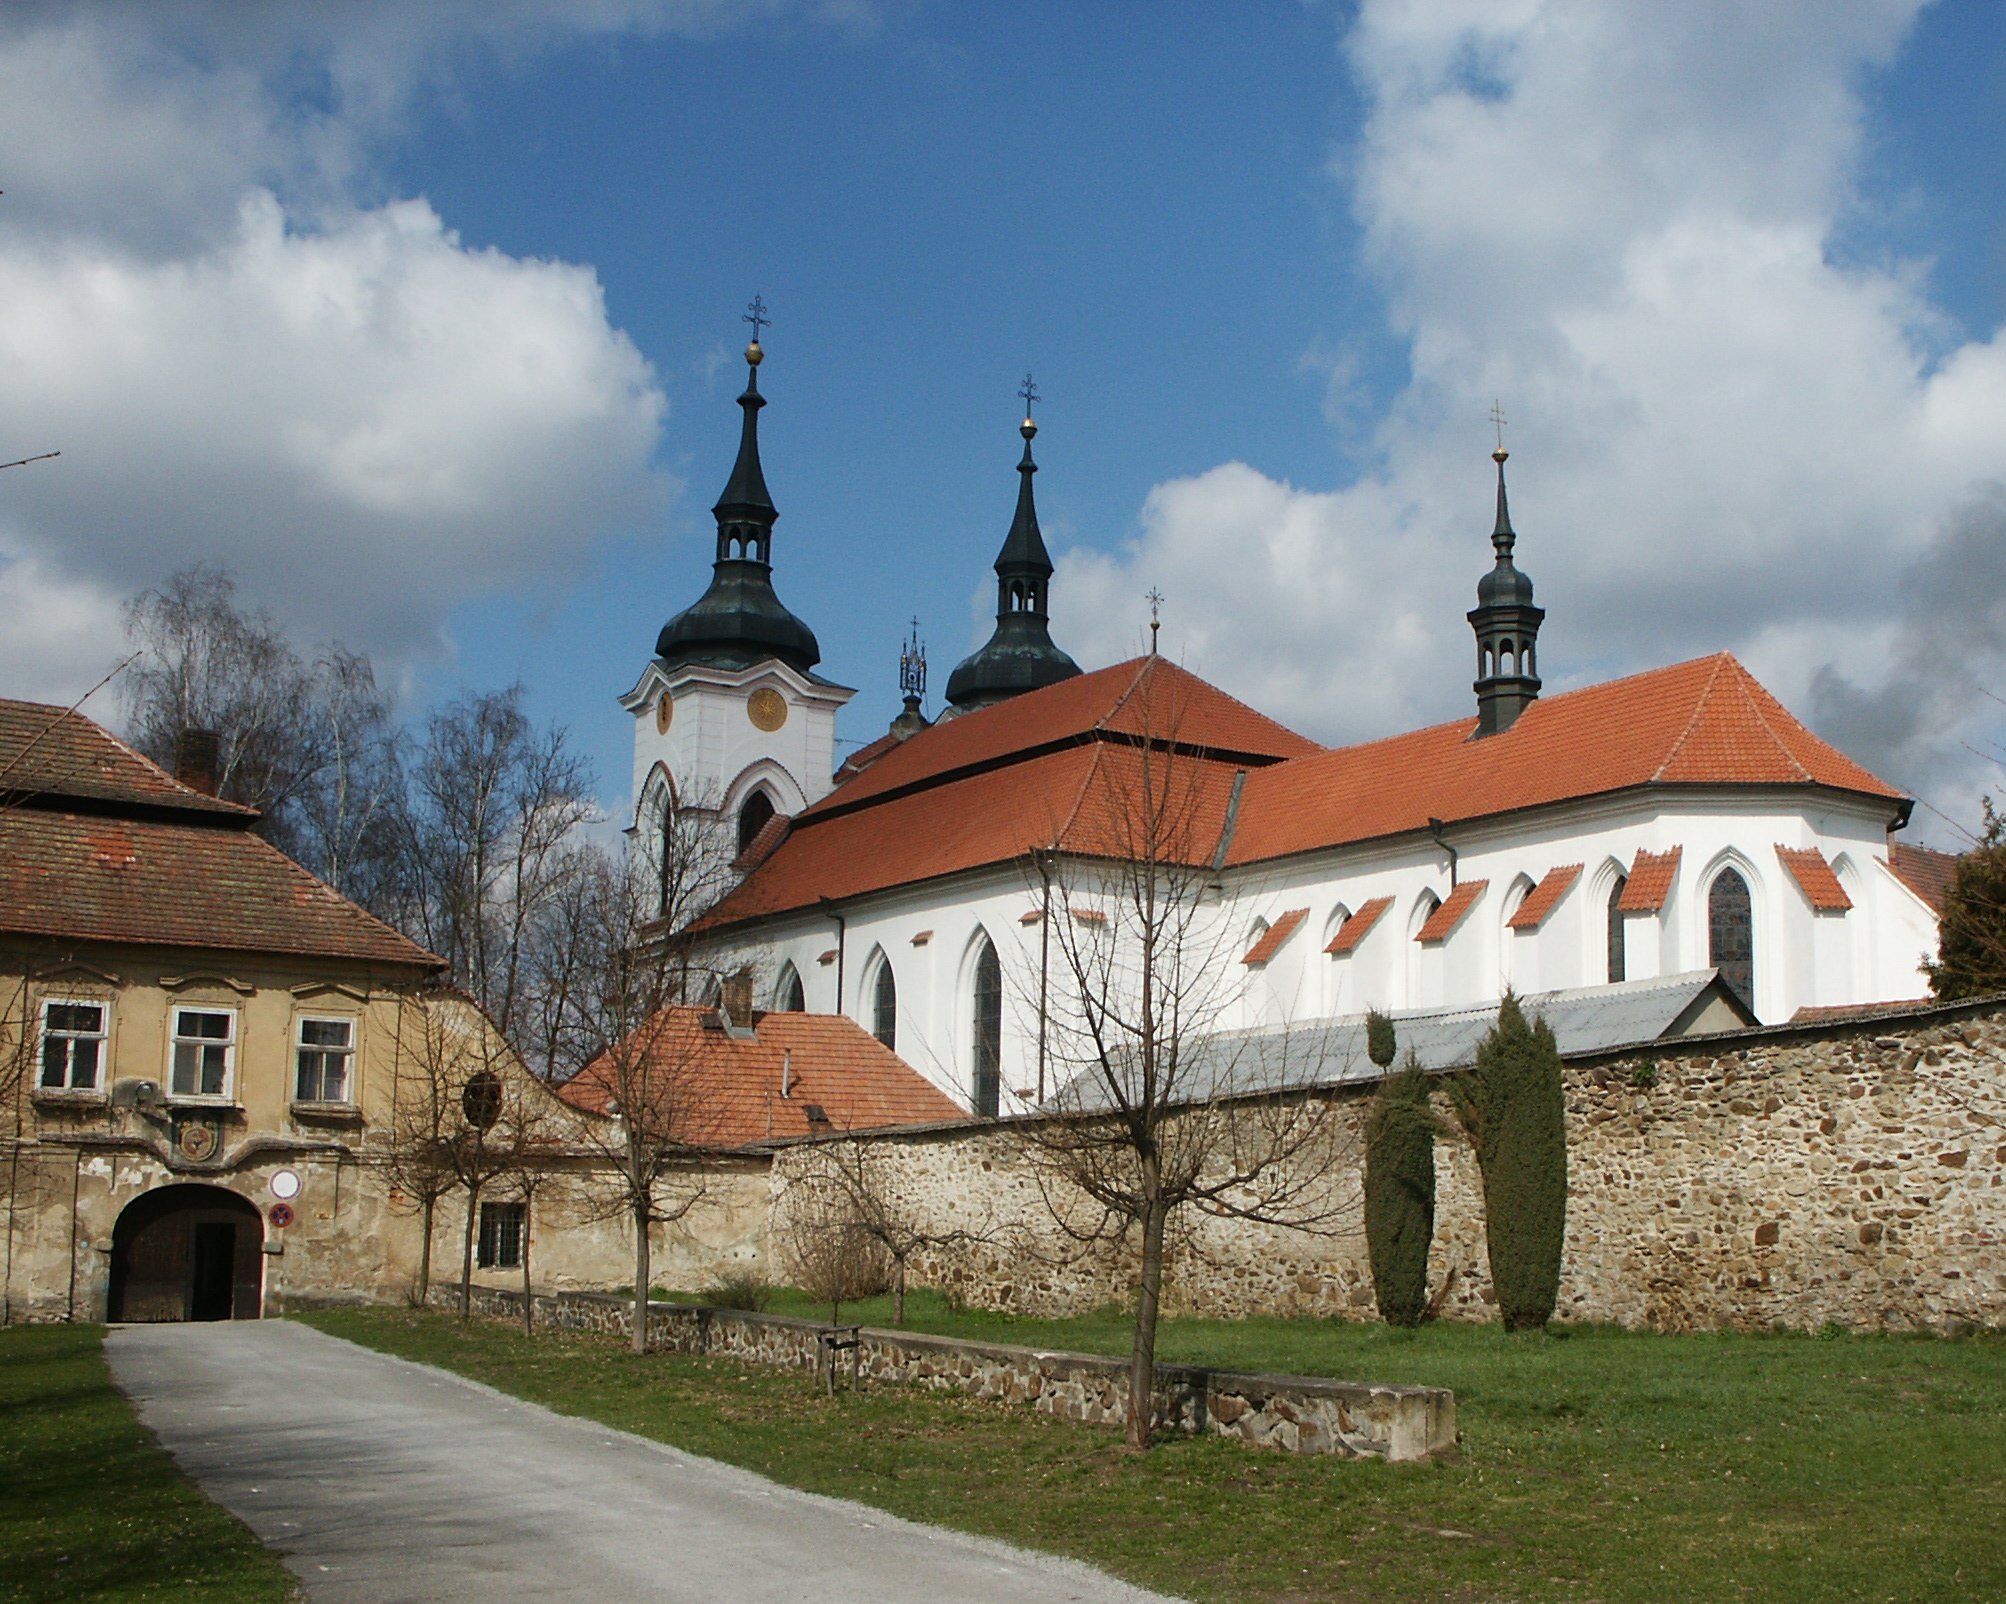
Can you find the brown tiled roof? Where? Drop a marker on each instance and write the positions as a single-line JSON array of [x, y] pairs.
[[865, 756], [51, 752], [1706, 722], [1924, 870], [1076, 799], [1443, 921], [1814, 878], [166, 882], [1543, 898], [1273, 937], [1149, 696], [725, 1090], [1649, 882], [1358, 926], [1054, 768], [764, 842]]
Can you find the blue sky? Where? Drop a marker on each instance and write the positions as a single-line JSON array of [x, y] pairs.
[[428, 326]]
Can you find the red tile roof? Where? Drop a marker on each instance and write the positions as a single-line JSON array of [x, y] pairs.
[[1924, 870], [725, 1091], [1706, 722], [1078, 799], [1057, 768], [764, 842], [168, 882], [1273, 937], [49, 751], [1443, 921], [1649, 882], [1144, 696], [1543, 898], [1815, 878], [1358, 927]]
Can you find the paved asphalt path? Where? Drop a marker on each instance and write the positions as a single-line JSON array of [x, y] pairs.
[[383, 1480]]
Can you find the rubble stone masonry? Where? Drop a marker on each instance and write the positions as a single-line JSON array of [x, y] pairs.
[[1851, 1173]]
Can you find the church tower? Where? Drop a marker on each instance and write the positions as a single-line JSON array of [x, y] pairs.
[[1507, 626], [1020, 655], [729, 716]]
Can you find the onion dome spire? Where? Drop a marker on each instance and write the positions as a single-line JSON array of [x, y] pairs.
[[1019, 655], [739, 620], [1506, 622]]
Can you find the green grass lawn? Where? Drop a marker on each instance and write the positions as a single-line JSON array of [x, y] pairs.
[[1594, 1464], [91, 1507]]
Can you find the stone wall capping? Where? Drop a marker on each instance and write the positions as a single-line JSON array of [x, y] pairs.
[[1301, 1414]]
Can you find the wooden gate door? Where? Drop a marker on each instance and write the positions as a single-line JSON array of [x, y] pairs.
[[187, 1253]]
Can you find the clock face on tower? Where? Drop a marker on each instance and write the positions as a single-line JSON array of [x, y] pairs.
[[665, 713], [767, 709]]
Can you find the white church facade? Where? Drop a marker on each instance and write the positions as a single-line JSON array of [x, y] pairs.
[[1673, 823]]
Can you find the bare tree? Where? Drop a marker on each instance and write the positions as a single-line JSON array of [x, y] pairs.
[[852, 1187], [833, 1256], [493, 846], [646, 1080], [310, 744], [1167, 1110]]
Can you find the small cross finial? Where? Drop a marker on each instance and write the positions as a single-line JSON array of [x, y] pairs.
[[912, 666], [1029, 391], [755, 314], [1155, 600], [1498, 419]]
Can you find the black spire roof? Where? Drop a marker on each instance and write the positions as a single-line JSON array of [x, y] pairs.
[[1020, 655], [739, 620], [1507, 626]]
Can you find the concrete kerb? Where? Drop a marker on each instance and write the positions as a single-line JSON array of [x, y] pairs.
[[1298, 1414]]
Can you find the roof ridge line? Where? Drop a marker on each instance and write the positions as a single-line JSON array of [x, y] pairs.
[[1692, 723], [1741, 683], [1143, 666], [354, 907]]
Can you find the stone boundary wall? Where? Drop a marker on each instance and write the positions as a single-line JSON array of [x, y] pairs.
[[1849, 1172], [1299, 1414]]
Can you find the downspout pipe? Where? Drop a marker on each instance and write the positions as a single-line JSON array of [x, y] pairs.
[[1435, 829]]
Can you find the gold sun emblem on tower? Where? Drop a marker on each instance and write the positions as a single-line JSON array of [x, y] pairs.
[[767, 709]]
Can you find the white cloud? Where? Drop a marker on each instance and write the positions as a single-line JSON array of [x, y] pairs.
[[248, 353], [1621, 220]]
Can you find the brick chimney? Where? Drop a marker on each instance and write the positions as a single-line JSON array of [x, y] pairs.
[[735, 999], [196, 759]]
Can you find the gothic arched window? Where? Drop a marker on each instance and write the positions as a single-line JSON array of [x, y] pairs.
[[1730, 926], [988, 1032], [885, 1005], [752, 817], [789, 996], [1618, 967]]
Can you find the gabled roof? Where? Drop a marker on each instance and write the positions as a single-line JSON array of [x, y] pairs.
[[50, 752], [99, 844], [156, 882], [1144, 696], [1924, 870], [727, 1087], [1356, 928], [1703, 723], [1070, 799]]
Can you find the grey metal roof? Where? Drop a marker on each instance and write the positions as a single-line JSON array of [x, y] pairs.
[[1328, 1052]]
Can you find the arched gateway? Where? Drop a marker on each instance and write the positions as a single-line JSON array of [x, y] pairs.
[[187, 1253]]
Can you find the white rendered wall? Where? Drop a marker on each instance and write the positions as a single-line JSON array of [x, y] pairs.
[[1869, 953]]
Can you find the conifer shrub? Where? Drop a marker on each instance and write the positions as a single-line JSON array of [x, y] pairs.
[[1380, 1043], [1512, 1106], [1400, 1194]]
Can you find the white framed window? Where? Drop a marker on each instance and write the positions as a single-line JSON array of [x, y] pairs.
[[204, 1052], [323, 1060], [73, 1045], [500, 1246]]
